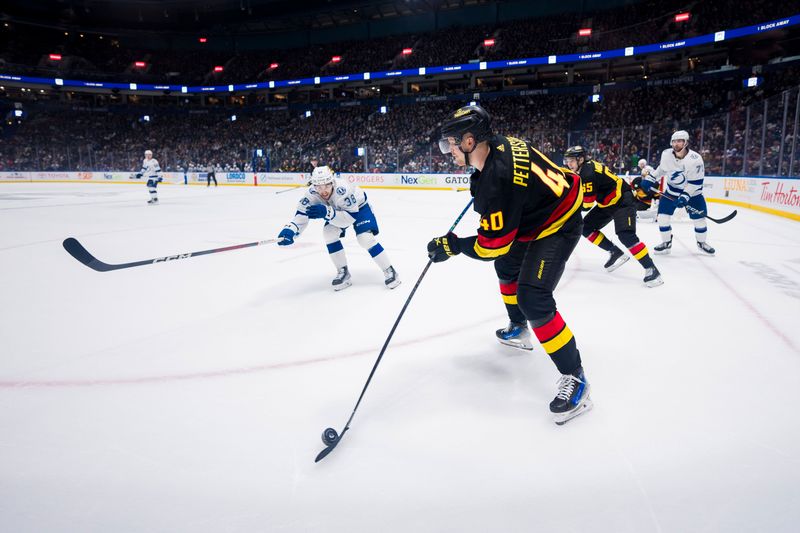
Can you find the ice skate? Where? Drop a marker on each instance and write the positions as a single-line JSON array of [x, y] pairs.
[[704, 247], [152, 201], [664, 247], [515, 335], [392, 279], [652, 277], [572, 398], [616, 259], [342, 279]]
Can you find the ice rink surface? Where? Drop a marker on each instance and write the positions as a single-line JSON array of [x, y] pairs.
[[190, 396]]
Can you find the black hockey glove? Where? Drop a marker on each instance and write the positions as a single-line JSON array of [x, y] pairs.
[[443, 248]]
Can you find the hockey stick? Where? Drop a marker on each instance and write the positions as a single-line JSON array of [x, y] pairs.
[[329, 436], [77, 250], [699, 212], [294, 188]]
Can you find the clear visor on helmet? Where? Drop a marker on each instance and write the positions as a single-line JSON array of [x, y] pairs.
[[445, 143]]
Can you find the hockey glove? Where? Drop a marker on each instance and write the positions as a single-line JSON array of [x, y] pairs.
[[443, 248], [647, 184], [138, 175], [286, 237], [320, 211], [682, 200]]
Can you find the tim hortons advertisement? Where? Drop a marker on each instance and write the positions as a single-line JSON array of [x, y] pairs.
[[780, 195]]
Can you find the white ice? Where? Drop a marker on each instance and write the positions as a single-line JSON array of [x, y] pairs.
[[190, 396]]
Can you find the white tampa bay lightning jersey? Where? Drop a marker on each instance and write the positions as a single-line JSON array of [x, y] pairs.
[[346, 199], [647, 171], [683, 175], [150, 168]]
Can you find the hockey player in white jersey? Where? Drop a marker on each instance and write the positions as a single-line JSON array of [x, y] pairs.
[[684, 170], [340, 204], [644, 168], [152, 172]]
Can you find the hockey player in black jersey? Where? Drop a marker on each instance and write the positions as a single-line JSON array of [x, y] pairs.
[[614, 201], [530, 223]]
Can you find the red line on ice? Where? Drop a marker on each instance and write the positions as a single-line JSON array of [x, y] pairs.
[[10, 384]]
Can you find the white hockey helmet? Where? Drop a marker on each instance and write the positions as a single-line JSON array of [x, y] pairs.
[[642, 163], [680, 135], [148, 152], [322, 176]]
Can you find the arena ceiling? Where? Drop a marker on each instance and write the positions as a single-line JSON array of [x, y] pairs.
[[237, 16]]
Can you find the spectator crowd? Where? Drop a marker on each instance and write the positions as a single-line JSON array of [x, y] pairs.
[[728, 125]]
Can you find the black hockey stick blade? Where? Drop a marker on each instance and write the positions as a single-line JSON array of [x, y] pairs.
[[324, 453], [76, 250], [723, 219], [329, 448]]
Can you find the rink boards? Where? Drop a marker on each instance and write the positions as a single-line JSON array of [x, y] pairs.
[[778, 196]]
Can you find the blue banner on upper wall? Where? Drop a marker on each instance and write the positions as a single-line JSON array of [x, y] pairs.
[[718, 36]]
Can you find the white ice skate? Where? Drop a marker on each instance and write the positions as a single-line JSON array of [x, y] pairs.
[[392, 279], [342, 279]]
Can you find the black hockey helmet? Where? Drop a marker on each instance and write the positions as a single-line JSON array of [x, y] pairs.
[[576, 152], [468, 119]]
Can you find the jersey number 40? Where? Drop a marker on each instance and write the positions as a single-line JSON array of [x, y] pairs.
[[551, 178]]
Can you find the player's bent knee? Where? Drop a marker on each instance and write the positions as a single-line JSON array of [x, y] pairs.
[[627, 238], [331, 233], [537, 303], [367, 240]]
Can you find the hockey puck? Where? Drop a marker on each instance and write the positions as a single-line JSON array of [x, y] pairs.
[[330, 437]]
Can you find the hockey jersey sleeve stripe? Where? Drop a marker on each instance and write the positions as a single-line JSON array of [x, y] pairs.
[[494, 247], [572, 202]]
